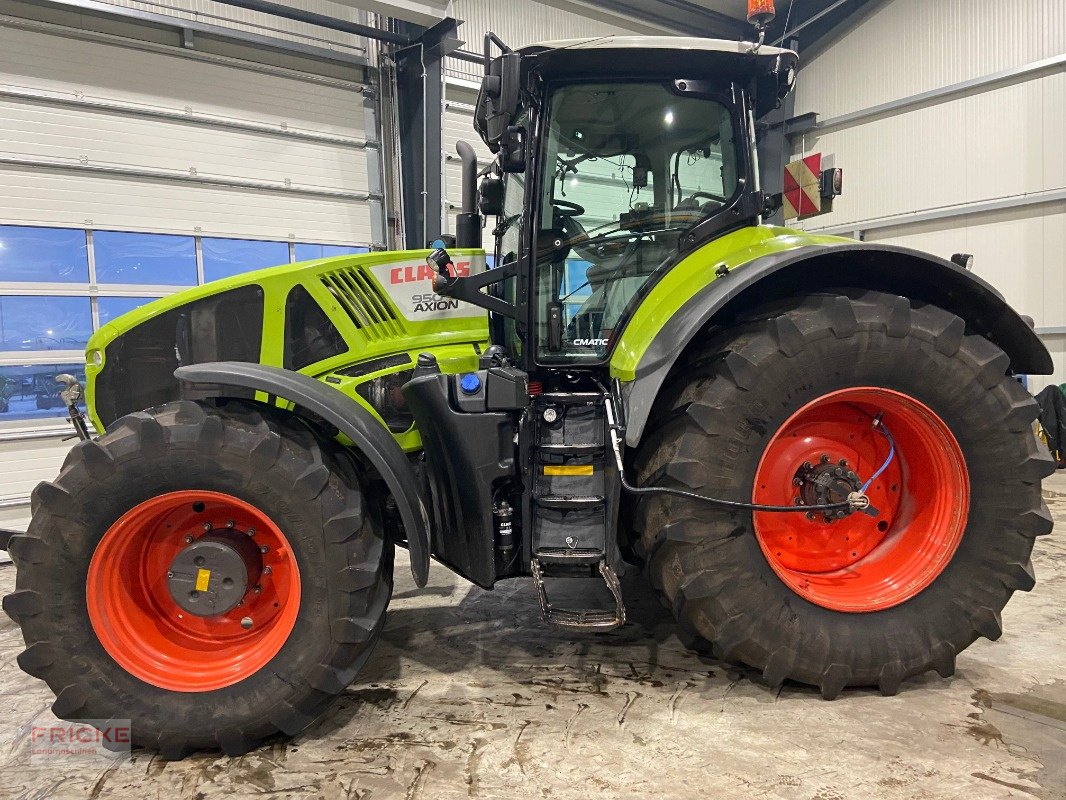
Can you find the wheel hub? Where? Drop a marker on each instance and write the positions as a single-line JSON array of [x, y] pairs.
[[143, 572], [826, 483], [915, 506], [212, 575]]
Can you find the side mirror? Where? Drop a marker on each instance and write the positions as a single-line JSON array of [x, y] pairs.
[[513, 149], [490, 202], [497, 102]]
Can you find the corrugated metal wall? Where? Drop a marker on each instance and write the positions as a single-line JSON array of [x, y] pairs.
[[255, 22], [1002, 142], [64, 104], [520, 24]]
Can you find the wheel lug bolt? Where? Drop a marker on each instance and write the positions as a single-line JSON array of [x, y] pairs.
[[798, 481], [246, 623], [188, 539], [170, 574], [807, 465], [266, 570], [825, 458], [207, 526], [257, 589], [810, 515], [263, 548], [251, 531], [230, 524], [843, 462]]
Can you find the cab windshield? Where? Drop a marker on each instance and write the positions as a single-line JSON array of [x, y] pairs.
[[629, 168]]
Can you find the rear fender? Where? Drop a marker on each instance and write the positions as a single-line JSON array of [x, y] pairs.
[[812, 268], [372, 440]]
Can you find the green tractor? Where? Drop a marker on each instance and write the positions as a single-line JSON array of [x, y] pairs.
[[815, 448]]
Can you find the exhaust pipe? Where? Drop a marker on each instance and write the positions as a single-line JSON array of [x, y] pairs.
[[468, 221]]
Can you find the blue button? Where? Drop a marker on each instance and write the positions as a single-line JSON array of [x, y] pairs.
[[470, 383]]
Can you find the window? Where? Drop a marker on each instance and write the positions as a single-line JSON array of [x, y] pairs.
[[56, 255], [306, 252], [31, 391], [110, 308], [44, 323], [144, 258], [631, 167], [576, 289], [102, 275], [224, 258]]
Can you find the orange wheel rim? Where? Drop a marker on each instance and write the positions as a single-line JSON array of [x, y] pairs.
[[137, 620], [863, 563]]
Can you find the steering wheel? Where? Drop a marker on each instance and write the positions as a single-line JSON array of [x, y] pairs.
[[716, 197], [568, 209]]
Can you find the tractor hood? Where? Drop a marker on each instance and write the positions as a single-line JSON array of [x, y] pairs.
[[315, 317]]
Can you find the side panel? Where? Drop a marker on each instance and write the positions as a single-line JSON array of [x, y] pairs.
[[754, 266], [368, 307]]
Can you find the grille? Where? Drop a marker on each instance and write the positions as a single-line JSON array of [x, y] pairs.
[[364, 303]]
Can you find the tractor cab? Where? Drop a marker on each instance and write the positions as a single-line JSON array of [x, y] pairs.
[[616, 157]]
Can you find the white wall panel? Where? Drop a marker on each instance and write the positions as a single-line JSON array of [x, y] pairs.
[[25, 463], [241, 19], [999, 143], [1019, 251], [38, 130], [55, 197], [83, 138], [75, 68], [519, 24], [904, 47]]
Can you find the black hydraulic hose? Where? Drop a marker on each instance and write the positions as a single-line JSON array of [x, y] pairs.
[[717, 501], [858, 504]]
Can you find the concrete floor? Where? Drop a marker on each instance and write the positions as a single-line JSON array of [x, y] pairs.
[[470, 695]]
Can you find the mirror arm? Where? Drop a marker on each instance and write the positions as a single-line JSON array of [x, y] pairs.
[[469, 289]]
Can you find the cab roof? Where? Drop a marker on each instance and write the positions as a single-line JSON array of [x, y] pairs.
[[674, 56], [654, 42]]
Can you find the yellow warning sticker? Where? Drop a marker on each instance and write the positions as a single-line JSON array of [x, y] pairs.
[[568, 469], [203, 577]]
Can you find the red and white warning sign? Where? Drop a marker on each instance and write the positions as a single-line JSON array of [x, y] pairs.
[[803, 187]]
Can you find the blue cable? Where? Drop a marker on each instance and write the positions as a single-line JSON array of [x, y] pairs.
[[891, 452]]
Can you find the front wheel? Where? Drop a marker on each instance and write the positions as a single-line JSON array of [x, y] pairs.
[[801, 407], [214, 574]]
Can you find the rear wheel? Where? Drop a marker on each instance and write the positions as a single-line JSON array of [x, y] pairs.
[[212, 573], [781, 410]]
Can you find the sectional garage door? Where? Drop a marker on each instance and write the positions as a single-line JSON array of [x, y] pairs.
[[131, 171]]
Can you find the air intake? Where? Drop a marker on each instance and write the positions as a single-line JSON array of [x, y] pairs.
[[364, 303]]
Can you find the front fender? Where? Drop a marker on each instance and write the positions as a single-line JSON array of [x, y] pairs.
[[347, 416], [647, 351]]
